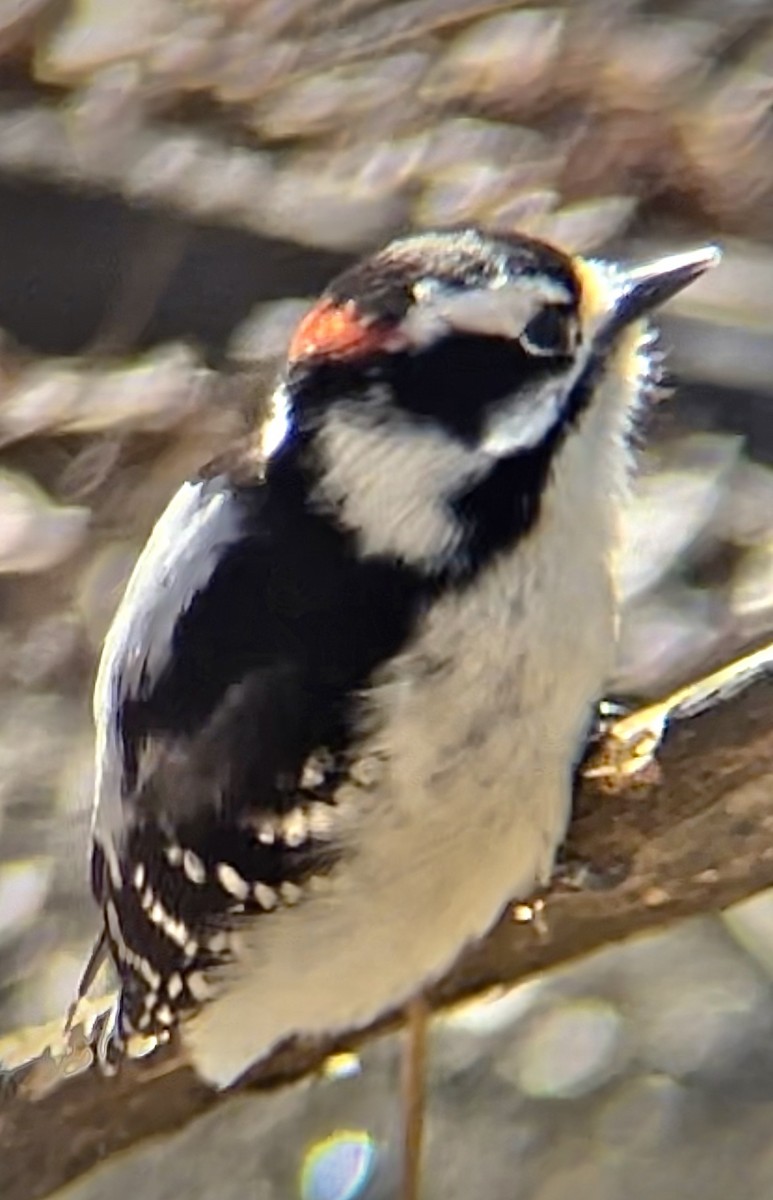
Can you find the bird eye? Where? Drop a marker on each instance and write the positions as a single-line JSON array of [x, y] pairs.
[[551, 333]]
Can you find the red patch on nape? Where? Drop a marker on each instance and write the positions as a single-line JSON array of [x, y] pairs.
[[339, 331]]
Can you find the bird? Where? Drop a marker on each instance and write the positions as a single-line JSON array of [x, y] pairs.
[[341, 703]]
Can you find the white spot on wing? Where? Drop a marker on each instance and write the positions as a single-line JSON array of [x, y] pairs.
[[151, 977], [315, 770], [265, 896], [290, 892], [295, 829], [266, 834], [174, 986], [194, 868], [198, 986], [231, 881], [175, 930]]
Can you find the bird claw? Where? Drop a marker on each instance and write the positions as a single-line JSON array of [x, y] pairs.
[[625, 748], [108, 1043]]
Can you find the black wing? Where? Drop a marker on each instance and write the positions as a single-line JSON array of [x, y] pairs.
[[240, 651]]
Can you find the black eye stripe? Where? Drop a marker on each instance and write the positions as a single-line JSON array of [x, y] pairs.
[[455, 381]]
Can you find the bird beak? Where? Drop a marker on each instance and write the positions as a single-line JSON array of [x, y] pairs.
[[641, 289]]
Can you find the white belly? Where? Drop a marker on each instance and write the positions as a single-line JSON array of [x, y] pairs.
[[481, 727], [481, 756]]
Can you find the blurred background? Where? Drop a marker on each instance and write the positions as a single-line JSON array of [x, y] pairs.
[[177, 178]]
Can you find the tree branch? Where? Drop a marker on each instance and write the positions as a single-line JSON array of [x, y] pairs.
[[688, 833]]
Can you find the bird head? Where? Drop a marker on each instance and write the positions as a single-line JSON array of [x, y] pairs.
[[449, 356]]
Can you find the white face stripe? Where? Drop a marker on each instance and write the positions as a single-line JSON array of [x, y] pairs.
[[525, 423], [499, 309], [392, 481]]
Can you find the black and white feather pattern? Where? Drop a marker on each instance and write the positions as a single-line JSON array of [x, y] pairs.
[[228, 703], [339, 706]]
